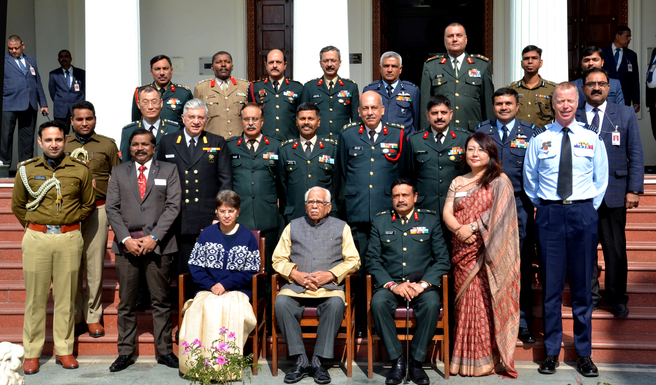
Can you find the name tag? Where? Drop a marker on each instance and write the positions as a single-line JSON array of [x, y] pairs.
[[291, 162], [32, 71], [357, 148], [168, 156], [160, 182], [77, 87], [39, 177], [616, 138], [629, 67], [461, 194], [236, 156], [390, 232]]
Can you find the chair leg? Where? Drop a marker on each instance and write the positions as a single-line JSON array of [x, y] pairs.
[[256, 351], [274, 350], [264, 344], [445, 356]]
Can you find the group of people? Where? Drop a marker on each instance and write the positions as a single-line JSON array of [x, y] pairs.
[[404, 183]]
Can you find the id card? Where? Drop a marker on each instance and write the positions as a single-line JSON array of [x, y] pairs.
[[616, 138], [629, 67], [77, 87], [32, 71]]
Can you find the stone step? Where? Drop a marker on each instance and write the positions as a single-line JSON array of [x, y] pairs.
[[7, 216], [640, 295], [639, 272], [11, 251], [641, 214], [648, 198], [641, 232], [13, 270], [5, 199], [640, 320]]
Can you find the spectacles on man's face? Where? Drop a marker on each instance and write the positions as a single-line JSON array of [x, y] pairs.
[[312, 202], [253, 119], [149, 103], [600, 84]]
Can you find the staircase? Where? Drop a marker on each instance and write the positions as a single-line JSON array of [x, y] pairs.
[[614, 340]]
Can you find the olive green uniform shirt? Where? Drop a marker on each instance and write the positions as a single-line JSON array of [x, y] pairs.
[[103, 155], [535, 103]]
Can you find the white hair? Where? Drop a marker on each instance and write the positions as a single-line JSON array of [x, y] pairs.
[[389, 54], [11, 364], [326, 192], [195, 104]]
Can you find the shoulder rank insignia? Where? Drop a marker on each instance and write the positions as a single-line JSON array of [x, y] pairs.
[[351, 125], [538, 131], [80, 161], [179, 139], [205, 80], [481, 57], [28, 161], [179, 85], [434, 57], [382, 213]]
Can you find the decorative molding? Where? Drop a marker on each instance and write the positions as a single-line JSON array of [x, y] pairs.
[[489, 42], [376, 49], [624, 12], [250, 37]]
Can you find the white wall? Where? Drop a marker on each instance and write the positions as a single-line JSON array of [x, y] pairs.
[[360, 41]]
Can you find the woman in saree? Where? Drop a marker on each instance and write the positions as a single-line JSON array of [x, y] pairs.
[[222, 265], [480, 212]]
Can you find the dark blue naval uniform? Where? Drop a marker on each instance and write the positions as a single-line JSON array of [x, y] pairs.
[[511, 153], [402, 107]]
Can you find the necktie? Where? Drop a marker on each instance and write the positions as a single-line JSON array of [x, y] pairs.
[[141, 180], [505, 134], [372, 137], [308, 149], [224, 86], [22, 66], [438, 140], [617, 58], [153, 129], [252, 142], [161, 92], [404, 220], [455, 67], [275, 86], [330, 86], [67, 78], [389, 90], [595, 119], [565, 167], [192, 147]]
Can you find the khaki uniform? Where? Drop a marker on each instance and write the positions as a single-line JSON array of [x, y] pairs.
[[225, 107], [535, 103], [52, 257], [102, 156]]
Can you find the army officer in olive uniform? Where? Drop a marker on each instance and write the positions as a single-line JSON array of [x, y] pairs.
[[463, 78], [305, 162], [225, 97], [337, 98], [254, 177], [407, 257], [436, 155], [204, 166], [279, 97]]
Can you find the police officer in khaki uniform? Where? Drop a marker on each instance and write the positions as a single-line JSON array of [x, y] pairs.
[[100, 154], [225, 96], [52, 244], [534, 92]]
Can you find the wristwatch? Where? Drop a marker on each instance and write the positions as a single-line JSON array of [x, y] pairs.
[[473, 226], [424, 285]]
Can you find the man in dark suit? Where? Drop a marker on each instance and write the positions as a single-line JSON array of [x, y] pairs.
[[400, 98], [593, 57], [21, 97], [621, 63], [66, 86], [143, 201], [203, 162], [618, 127], [650, 92]]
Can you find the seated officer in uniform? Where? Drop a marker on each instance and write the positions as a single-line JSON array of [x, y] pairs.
[[407, 257]]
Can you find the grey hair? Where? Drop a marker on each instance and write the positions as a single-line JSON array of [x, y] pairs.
[[330, 48], [195, 104], [389, 54], [326, 191]]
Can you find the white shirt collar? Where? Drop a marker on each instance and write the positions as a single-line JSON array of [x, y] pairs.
[[313, 141], [377, 129], [602, 108], [446, 131], [460, 58], [70, 70], [188, 137]]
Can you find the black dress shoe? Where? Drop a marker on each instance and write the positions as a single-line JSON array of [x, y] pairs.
[[417, 373], [397, 373], [169, 360], [296, 374], [320, 375], [122, 362], [620, 310], [526, 336], [586, 367], [549, 365]]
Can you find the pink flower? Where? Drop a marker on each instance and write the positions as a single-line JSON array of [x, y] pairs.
[[196, 342], [207, 363], [223, 347], [223, 330], [220, 360], [185, 344], [231, 335]]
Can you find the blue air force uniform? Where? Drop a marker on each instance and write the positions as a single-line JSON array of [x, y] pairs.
[[402, 107]]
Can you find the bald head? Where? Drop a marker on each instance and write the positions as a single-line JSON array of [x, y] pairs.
[[276, 64], [371, 109]]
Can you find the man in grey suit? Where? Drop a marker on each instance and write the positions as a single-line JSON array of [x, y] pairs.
[[143, 201]]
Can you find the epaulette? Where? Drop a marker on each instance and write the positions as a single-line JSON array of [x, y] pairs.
[[243, 80], [181, 85], [171, 122], [589, 127], [351, 80], [295, 81], [484, 123], [329, 140], [79, 161], [203, 81], [23, 163], [480, 57], [538, 131], [286, 142], [438, 56], [132, 124], [427, 211], [106, 137], [230, 139], [352, 124], [405, 82], [550, 82], [382, 213], [460, 129], [312, 80], [396, 125], [527, 124]]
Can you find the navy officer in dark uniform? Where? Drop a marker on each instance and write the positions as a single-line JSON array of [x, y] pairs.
[[400, 98], [512, 136], [565, 176]]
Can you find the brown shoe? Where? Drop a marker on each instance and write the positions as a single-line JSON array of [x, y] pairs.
[[67, 362], [31, 366], [96, 330]]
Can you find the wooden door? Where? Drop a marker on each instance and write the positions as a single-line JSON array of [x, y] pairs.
[[270, 26]]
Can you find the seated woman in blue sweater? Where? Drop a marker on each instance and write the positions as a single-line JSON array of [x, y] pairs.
[[222, 264]]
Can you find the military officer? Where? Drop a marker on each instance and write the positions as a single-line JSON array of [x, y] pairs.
[[279, 97], [101, 155], [534, 92], [511, 136], [255, 177], [337, 98], [463, 78], [150, 104], [407, 257], [305, 162], [204, 166], [436, 155], [400, 98], [52, 243], [225, 96], [173, 95]]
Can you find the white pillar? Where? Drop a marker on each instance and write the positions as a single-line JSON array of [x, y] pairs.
[[113, 62], [318, 23]]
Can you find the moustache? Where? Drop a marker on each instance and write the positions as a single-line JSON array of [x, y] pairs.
[[401, 204], [439, 121], [251, 127], [140, 152], [307, 126], [596, 92]]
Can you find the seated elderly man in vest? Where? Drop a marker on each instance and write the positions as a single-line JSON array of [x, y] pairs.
[[315, 253]]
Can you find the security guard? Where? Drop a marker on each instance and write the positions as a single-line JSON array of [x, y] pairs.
[[337, 98], [204, 166], [400, 98], [255, 160], [150, 104], [52, 195], [174, 95], [534, 92], [279, 97], [512, 136], [101, 155], [463, 78], [305, 162], [225, 97], [436, 156], [407, 257]]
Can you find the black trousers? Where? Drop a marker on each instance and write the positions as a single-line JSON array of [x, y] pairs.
[[612, 221], [66, 121], [26, 123]]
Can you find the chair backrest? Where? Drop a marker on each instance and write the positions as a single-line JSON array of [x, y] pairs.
[[261, 242]]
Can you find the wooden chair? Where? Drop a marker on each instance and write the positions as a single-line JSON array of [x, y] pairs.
[[258, 335], [311, 319], [400, 320]]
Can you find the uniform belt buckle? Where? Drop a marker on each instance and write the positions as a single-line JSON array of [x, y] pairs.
[[566, 202], [53, 229]]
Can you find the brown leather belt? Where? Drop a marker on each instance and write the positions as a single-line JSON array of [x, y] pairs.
[[53, 229], [100, 202]]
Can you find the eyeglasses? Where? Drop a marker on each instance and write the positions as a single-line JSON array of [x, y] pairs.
[[254, 120], [230, 212], [312, 202], [195, 118], [600, 84], [147, 103]]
